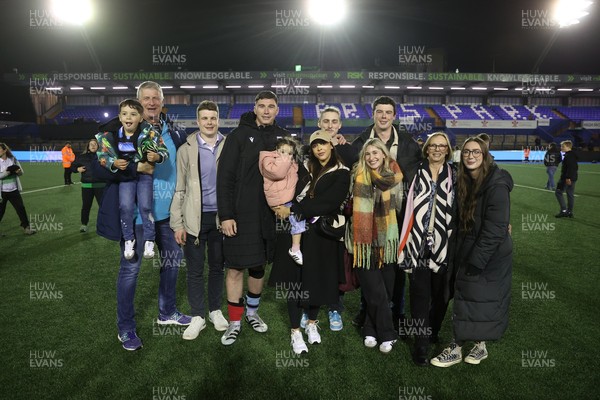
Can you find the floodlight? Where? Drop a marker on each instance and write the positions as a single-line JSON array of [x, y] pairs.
[[327, 12], [569, 12], [76, 12]]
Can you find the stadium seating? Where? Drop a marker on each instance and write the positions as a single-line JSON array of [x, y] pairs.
[[581, 113]]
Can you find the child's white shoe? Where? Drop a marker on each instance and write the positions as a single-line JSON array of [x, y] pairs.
[[129, 250], [149, 249]]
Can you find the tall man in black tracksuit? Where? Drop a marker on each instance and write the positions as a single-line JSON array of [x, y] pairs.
[[568, 177], [246, 220]]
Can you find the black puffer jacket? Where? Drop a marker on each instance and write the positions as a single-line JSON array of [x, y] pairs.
[[240, 192], [481, 301], [85, 160]]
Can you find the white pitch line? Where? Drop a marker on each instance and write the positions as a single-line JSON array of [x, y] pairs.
[[542, 190], [48, 188]]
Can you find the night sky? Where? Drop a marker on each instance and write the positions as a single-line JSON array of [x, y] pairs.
[[245, 36]]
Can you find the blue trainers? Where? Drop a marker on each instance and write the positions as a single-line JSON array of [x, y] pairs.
[[130, 340], [304, 320], [335, 321], [176, 318]]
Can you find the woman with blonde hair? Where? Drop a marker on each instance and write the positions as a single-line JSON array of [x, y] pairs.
[[376, 202], [425, 248]]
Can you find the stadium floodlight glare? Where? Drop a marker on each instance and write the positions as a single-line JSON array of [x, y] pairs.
[[478, 88], [76, 88], [125, 87], [210, 86], [347, 86], [585, 90], [256, 86], [327, 12], [166, 87], [278, 86], [391, 87], [187, 87], [436, 88], [75, 12], [500, 88], [519, 89], [53, 88], [569, 12], [324, 86], [457, 88], [414, 87], [301, 86], [98, 88], [564, 89], [368, 87], [233, 87]]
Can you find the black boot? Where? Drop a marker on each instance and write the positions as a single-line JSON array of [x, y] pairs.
[[420, 356]]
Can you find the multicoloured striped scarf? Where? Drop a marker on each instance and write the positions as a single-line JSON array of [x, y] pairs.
[[375, 225]]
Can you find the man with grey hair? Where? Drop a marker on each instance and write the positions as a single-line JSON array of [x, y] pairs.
[[151, 97]]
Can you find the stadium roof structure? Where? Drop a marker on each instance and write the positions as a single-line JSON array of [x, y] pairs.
[[312, 82]]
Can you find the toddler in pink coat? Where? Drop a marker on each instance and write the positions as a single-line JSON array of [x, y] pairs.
[[280, 174]]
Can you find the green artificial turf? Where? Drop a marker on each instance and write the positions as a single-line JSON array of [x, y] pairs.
[[64, 345]]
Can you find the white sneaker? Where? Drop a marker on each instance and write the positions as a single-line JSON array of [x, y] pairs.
[[298, 344], [149, 249], [450, 356], [218, 320], [370, 342], [312, 331], [387, 346], [477, 354], [296, 256], [83, 229], [129, 251], [191, 332]]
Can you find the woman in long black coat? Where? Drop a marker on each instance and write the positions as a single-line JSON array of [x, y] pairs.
[[484, 255], [323, 190], [91, 187]]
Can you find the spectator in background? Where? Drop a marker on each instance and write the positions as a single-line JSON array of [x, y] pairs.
[[10, 187], [526, 153], [552, 158], [91, 187], [407, 154], [538, 143], [67, 158], [194, 218], [456, 155], [566, 183]]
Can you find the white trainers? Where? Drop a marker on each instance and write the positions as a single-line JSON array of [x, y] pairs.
[[149, 249], [191, 332], [370, 342], [312, 331], [386, 347], [256, 323], [231, 334], [218, 320], [477, 353], [129, 251], [298, 344], [83, 229], [296, 256], [450, 356]]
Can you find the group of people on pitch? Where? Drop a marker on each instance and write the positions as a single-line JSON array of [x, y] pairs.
[[257, 196]]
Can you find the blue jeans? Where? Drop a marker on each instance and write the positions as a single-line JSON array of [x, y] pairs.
[[129, 192], [550, 171], [170, 257]]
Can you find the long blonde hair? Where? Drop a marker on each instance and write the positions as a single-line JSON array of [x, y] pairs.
[[361, 166]]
